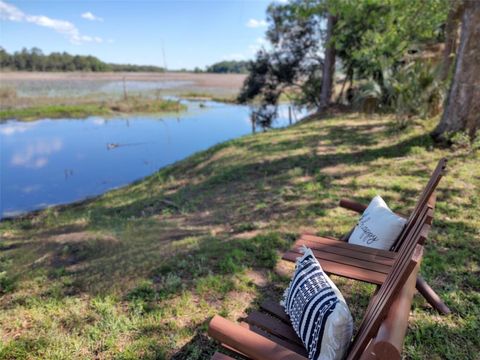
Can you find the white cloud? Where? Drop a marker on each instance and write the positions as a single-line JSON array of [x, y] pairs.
[[14, 128], [66, 28], [36, 155], [254, 23], [89, 16], [10, 12]]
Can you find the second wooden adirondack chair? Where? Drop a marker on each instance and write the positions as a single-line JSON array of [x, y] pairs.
[[367, 264], [268, 335]]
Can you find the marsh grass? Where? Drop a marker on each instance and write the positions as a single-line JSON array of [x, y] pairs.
[[128, 275], [202, 96], [135, 104]]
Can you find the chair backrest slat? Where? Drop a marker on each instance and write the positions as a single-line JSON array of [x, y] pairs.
[[427, 198], [408, 257], [409, 249]]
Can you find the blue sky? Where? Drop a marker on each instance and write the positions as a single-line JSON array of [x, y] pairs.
[[193, 33]]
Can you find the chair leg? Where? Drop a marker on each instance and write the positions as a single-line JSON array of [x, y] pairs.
[[431, 296]]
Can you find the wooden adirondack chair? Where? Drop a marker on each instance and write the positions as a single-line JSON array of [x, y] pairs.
[[268, 335], [367, 264]]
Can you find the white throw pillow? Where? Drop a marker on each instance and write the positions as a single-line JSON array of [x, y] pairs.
[[378, 226], [318, 312]]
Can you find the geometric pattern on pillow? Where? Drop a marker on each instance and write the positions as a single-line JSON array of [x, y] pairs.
[[309, 301]]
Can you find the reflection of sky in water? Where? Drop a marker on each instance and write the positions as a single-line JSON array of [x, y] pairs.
[[59, 161], [36, 155]]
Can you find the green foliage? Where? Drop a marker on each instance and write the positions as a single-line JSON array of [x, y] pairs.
[[415, 90], [7, 283], [462, 140], [375, 40], [368, 96], [144, 291], [35, 60], [232, 66], [411, 90], [292, 63], [170, 284], [371, 35]]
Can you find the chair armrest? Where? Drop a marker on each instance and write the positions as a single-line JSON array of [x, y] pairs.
[[247, 342], [358, 207], [352, 205]]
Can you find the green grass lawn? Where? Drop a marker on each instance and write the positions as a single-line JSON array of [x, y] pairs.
[[139, 271]]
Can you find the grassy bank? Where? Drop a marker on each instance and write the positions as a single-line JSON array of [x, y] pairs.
[[82, 110], [139, 271]]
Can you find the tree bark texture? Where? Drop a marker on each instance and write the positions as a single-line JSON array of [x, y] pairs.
[[451, 37], [328, 65], [462, 110]]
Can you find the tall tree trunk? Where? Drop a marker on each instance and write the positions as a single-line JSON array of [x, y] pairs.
[[451, 37], [328, 65], [347, 76], [462, 110]]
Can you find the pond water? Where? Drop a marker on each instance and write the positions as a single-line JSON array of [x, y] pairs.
[[48, 162]]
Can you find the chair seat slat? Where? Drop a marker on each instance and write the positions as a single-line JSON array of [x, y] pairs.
[[346, 259], [350, 251], [287, 344], [341, 244], [274, 308], [348, 271], [273, 326]]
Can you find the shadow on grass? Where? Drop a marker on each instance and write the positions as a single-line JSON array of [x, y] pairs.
[[164, 261]]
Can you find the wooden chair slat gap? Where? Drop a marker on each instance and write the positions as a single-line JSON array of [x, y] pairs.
[[373, 319], [388, 289], [344, 251], [378, 307], [342, 259], [351, 272], [341, 244]]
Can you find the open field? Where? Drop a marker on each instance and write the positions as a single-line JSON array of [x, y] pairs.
[[139, 271], [69, 84]]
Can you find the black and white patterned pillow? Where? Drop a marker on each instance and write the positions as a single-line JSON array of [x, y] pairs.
[[317, 310]]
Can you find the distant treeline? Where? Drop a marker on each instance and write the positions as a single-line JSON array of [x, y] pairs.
[[35, 60], [229, 67]]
